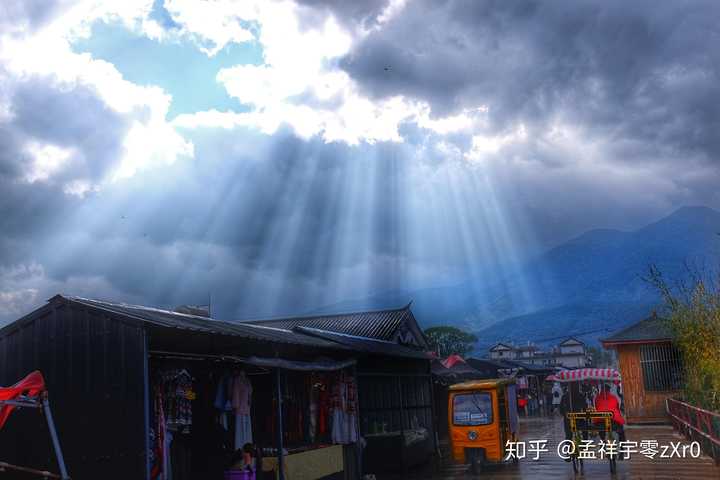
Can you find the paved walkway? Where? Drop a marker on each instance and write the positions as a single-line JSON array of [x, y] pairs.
[[550, 466]]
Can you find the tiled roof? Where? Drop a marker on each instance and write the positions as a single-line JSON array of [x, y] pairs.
[[362, 344], [378, 324], [652, 329]]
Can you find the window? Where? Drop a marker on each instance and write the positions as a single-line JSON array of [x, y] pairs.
[[661, 366], [470, 409]]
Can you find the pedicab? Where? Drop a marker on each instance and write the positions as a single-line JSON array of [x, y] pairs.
[[482, 416], [585, 422]]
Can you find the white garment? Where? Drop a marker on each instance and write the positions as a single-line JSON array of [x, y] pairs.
[[344, 427], [338, 426], [556, 397], [243, 430]]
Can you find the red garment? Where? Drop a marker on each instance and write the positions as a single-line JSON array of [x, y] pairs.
[[31, 386], [159, 465], [323, 410], [522, 402], [607, 402]]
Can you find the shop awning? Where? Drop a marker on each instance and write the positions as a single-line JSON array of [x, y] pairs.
[[317, 365]]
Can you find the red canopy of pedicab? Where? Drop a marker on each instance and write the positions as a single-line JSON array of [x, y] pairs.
[[581, 374]]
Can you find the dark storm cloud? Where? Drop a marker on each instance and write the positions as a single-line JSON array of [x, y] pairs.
[[364, 13], [23, 16], [646, 71], [70, 118], [258, 219], [73, 118], [274, 223]]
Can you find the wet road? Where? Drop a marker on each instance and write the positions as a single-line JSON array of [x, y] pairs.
[[551, 466]]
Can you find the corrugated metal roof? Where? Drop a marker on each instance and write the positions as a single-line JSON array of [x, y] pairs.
[[182, 321], [378, 324], [260, 331], [653, 328]]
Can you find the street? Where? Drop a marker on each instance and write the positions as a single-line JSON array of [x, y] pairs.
[[550, 466]]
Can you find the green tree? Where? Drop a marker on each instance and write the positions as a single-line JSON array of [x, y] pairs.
[[694, 315], [601, 358], [446, 340]]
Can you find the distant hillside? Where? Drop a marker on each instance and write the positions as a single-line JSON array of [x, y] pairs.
[[588, 321], [592, 283]]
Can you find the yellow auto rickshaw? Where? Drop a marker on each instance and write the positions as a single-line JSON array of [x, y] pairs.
[[482, 416]]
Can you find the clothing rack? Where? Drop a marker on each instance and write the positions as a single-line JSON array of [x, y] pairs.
[[197, 357]]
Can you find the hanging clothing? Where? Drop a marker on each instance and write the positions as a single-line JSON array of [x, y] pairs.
[[243, 430], [344, 408], [241, 398], [313, 409], [223, 394], [323, 409], [158, 434], [241, 394]]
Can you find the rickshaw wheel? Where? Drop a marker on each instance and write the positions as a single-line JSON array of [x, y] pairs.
[[577, 464], [476, 462], [613, 460]]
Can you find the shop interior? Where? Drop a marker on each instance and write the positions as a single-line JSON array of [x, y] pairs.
[[204, 410]]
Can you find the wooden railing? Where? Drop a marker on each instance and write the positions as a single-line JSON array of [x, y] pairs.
[[696, 424]]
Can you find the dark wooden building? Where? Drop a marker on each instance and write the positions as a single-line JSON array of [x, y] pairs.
[[100, 360], [650, 366]]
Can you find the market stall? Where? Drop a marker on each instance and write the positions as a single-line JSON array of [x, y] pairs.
[[298, 414], [165, 383]]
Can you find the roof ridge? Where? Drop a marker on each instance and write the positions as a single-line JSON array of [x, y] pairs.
[[106, 303], [652, 316], [324, 315]]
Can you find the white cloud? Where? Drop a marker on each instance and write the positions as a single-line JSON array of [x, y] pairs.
[[483, 145], [151, 144], [47, 54], [218, 23], [299, 83], [15, 302], [47, 160]]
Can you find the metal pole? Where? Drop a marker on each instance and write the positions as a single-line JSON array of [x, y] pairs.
[[53, 435], [278, 385], [146, 402], [358, 442], [402, 429]]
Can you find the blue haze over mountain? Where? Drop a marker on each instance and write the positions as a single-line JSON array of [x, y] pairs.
[[589, 286]]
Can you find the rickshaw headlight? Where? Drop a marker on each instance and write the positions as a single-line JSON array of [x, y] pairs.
[[472, 435]]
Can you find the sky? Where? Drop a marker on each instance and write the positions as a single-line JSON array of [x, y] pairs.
[[281, 156]]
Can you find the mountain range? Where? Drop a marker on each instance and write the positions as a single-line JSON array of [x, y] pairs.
[[587, 287]]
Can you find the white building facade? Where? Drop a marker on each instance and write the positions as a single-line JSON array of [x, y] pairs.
[[570, 353]]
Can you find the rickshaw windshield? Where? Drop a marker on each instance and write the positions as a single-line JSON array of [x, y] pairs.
[[470, 409]]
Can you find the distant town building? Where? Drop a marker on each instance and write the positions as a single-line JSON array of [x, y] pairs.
[[503, 351], [570, 353]]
